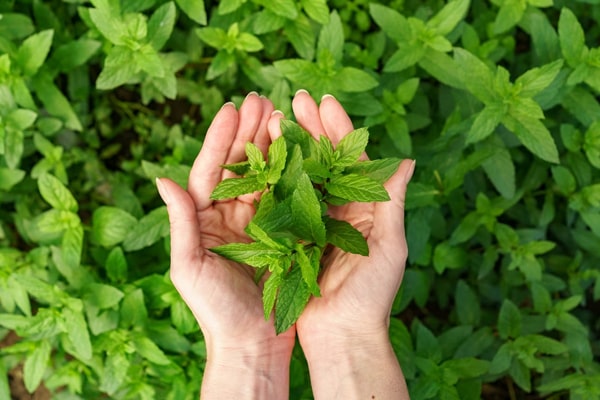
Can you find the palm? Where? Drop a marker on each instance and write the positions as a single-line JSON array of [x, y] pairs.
[[356, 291], [221, 293]]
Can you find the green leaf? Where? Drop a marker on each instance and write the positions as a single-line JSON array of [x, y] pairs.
[[500, 168], [77, 330], [308, 269], [509, 15], [149, 229], [478, 78], [509, 320], [285, 8], [228, 6], [257, 233], [316, 10], [468, 303], [150, 351], [591, 144], [485, 123], [351, 147], [109, 23], [240, 168], [118, 68], [56, 194], [306, 212], [379, 170], [537, 79], [346, 237], [33, 52], [4, 388], [234, 187], [572, 38], [448, 17], [103, 296], [292, 299], [301, 35], [74, 53], [56, 103], [15, 26], [535, 136], [255, 254], [110, 225], [255, 157], [214, 37], [36, 365], [10, 177], [332, 37], [407, 55], [116, 265], [270, 290], [277, 156], [352, 80], [394, 24], [193, 9], [160, 25], [248, 42], [357, 188]]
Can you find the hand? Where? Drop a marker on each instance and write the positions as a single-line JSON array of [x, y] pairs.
[[222, 294], [344, 333]]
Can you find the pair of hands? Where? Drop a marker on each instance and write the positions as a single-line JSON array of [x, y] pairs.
[[357, 292]]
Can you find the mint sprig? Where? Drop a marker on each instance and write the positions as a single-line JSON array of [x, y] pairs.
[[299, 180]]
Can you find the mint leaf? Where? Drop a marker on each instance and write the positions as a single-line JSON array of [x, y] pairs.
[[309, 269], [240, 168], [255, 157], [287, 183], [306, 212], [234, 187], [292, 299], [272, 216], [350, 148], [294, 134], [277, 157], [56, 194], [355, 187], [343, 235], [378, 170], [255, 254], [258, 234], [270, 289]]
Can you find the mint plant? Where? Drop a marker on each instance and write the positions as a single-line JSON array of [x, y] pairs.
[[291, 229]]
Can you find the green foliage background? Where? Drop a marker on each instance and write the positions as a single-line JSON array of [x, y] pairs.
[[497, 100]]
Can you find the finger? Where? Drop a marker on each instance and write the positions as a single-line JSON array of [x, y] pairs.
[[388, 217], [307, 113], [185, 229], [274, 124], [206, 172], [262, 141], [250, 115], [334, 118], [262, 138]]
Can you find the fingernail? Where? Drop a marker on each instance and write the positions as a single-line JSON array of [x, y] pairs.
[[162, 191], [229, 103], [301, 91], [252, 93], [411, 170], [277, 112], [327, 96]]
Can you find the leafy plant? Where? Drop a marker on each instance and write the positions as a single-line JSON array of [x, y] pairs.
[[291, 228]]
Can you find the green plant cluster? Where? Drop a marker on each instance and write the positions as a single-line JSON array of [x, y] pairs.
[[497, 100], [291, 228]]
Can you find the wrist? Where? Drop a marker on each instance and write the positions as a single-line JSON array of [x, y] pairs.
[[252, 370], [355, 366]]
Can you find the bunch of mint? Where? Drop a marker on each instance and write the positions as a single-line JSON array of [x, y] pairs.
[[291, 227]]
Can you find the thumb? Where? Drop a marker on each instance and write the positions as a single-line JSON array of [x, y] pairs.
[[388, 224], [185, 230]]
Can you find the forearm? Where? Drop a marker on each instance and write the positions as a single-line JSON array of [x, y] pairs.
[[356, 368], [244, 374]]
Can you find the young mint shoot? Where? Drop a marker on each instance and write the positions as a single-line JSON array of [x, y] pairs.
[[299, 179]]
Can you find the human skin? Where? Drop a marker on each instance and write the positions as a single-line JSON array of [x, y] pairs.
[[344, 333]]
